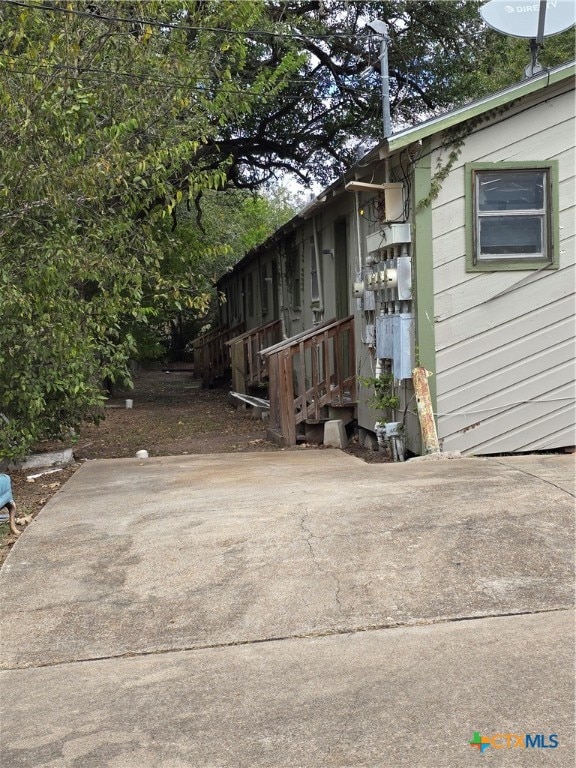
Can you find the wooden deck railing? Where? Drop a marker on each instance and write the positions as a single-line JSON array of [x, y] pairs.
[[248, 368], [309, 372], [211, 355]]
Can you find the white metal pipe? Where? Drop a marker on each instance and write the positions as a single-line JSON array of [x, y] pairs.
[[358, 233], [319, 276], [386, 121]]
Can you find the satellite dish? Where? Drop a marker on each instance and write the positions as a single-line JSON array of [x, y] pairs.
[[519, 18]]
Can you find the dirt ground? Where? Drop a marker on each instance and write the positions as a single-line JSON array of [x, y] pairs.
[[171, 415]]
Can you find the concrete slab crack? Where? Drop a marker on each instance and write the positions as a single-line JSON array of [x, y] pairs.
[[537, 477], [299, 636], [307, 535]]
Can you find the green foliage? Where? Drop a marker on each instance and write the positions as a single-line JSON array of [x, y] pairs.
[[440, 54], [502, 60], [103, 130], [116, 116], [235, 221], [263, 214], [441, 172], [232, 222], [384, 398]]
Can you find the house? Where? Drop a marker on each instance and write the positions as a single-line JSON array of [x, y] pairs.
[[449, 246]]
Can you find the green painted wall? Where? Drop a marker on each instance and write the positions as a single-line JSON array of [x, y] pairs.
[[423, 268]]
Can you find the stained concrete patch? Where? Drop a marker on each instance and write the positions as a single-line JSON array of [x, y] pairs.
[[406, 697], [187, 552], [362, 569]]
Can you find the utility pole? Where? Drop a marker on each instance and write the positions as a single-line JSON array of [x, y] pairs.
[[381, 29]]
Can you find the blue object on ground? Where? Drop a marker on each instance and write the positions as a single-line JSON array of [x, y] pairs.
[[5, 491]]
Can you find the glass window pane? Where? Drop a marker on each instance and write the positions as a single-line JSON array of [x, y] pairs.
[[511, 235], [511, 191], [296, 292]]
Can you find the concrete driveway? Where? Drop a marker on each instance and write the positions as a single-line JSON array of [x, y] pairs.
[[297, 608]]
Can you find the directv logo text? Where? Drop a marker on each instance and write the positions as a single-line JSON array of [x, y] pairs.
[[514, 741]]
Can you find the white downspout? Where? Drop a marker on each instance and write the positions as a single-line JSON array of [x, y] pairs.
[[319, 275], [358, 233], [282, 289]]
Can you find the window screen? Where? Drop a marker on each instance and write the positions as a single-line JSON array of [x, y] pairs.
[[512, 216]]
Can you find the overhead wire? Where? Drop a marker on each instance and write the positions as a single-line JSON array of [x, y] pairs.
[[59, 71], [176, 26], [63, 71], [200, 89], [168, 25]]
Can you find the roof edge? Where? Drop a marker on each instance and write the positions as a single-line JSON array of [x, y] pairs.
[[415, 133], [474, 108]]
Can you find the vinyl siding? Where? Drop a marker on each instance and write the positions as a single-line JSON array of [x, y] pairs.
[[505, 340]]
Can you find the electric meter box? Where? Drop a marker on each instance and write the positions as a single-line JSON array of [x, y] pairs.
[[388, 235], [385, 337], [394, 202], [369, 335], [395, 341], [369, 301]]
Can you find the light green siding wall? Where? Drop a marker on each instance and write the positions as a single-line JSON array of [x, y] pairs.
[[505, 340]]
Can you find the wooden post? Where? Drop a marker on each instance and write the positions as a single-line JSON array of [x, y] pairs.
[[274, 392], [238, 375], [425, 412], [301, 377], [352, 359], [287, 416], [338, 362], [327, 369], [315, 379]]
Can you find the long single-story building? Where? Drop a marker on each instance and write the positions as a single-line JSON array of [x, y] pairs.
[[449, 247]]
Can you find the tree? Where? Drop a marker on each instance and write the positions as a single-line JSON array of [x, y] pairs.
[[205, 243], [99, 121], [439, 52], [505, 58], [117, 117]]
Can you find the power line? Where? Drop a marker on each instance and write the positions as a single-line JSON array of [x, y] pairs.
[[206, 90], [60, 70], [79, 69], [179, 26]]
